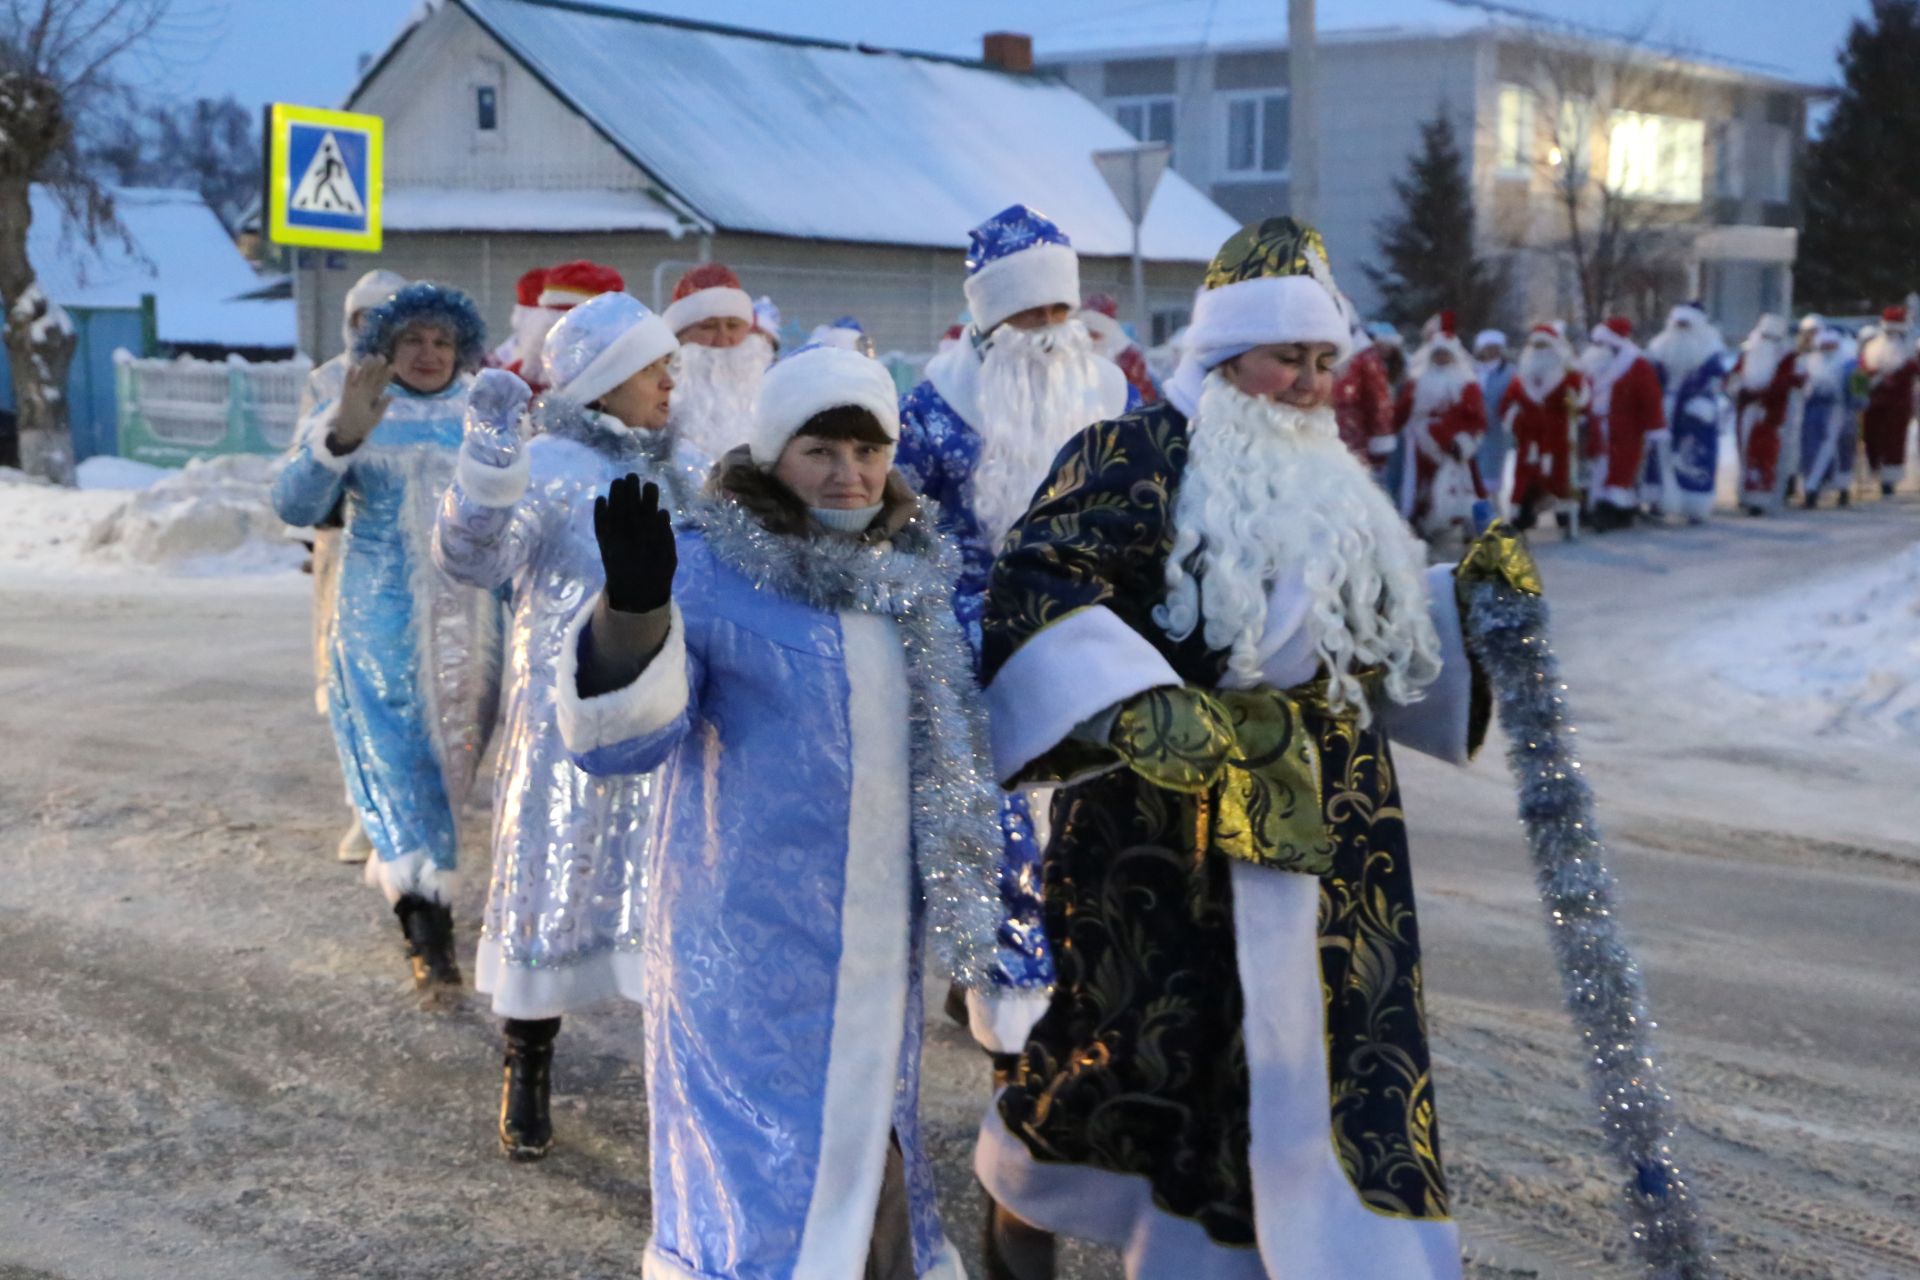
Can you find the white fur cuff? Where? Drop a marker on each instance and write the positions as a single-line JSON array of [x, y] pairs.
[[1001, 1021], [651, 703], [1064, 675], [1040, 276], [411, 873], [705, 304], [493, 486], [1381, 446]]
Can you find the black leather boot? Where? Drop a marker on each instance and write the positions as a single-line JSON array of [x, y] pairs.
[[526, 1128], [428, 926]]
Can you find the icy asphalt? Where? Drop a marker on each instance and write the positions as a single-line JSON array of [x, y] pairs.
[[211, 1066]]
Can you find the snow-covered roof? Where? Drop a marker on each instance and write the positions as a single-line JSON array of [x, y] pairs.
[[784, 136], [180, 254], [472, 209]]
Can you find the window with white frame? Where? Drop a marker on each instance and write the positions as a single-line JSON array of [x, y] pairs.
[[1148, 119], [1729, 182], [1514, 139], [1257, 141], [1652, 157], [1779, 186]]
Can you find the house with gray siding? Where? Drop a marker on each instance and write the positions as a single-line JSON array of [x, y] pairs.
[[1705, 151], [834, 178]]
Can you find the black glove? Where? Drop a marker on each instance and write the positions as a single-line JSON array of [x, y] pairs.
[[636, 546]]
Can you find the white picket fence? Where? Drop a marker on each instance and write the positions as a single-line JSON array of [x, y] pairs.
[[174, 410]]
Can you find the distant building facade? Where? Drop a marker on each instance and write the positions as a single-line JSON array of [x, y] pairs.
[[1704, 151]]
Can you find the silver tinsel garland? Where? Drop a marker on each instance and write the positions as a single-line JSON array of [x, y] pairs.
[[1507, 632]]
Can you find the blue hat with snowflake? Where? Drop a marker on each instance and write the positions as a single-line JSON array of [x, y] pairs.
[[426, 303], [1019, 259]]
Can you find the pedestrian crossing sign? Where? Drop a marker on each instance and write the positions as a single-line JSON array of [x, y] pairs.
[[323, 178]]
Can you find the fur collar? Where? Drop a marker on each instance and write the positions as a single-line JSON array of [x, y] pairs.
[[915, 568], [570, 420]]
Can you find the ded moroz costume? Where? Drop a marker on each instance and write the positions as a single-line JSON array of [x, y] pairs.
[[1205, 628]]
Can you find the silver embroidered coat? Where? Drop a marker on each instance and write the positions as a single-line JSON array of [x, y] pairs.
[[562, 922]]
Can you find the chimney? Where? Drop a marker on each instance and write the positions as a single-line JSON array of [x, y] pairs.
[[1007, 50]]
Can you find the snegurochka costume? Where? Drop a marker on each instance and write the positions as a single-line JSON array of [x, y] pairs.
[[1232, 1078], [825, 810], [562, 925], [415, 657]]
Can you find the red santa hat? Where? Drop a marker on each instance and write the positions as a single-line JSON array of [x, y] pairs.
[[1101, 314], [1893, 315], [1614, 332], [572, 283], [527, 292], [707, 291], [1443, 323]]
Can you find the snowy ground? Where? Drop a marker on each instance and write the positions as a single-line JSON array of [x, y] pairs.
[[210, 1064]]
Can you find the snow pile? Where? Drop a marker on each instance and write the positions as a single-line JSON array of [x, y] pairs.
[[212, 517], [104, 471], [1843, 656], [45, 526]]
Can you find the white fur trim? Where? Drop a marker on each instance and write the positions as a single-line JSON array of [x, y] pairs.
[[1107, 1208], [705, 304], [1437, 724], [520, 991], [1042, 275], [1383, 446], [651, 703], [1065, 674], [1308, 1218], [492, 486], [808, 382], [870, 988], [637, 347], [1001, 1020], [411, 873], [1251, 313]]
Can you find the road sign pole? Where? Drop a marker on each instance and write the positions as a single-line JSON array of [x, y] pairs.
[[1143, 327]]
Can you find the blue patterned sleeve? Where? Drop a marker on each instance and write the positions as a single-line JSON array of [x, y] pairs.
[[1025, 961], [309, 484]]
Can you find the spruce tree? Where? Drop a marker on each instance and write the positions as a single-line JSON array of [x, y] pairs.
[[1431, 259], [1862, 175]]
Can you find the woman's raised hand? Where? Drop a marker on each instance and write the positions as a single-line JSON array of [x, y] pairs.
[[636, 546]]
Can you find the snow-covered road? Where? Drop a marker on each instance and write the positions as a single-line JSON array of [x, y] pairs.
[[210, 1064]]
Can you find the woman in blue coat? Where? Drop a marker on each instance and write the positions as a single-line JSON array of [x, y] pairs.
[[825, 807], [414, 657]]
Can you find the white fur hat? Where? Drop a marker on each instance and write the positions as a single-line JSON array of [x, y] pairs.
[[812, 380], [601, 343]]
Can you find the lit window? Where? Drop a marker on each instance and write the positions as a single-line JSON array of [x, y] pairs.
[[487, 103], [1654, 157], [1258, 134], [1515, 130]]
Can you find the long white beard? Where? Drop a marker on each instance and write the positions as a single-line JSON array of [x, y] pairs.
[[1681, 351], [1269, 489], [1541, 370], [1035, 389], [1437, 388], [530, 329], [1884, 351], [713, 393], [1760, 360]]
